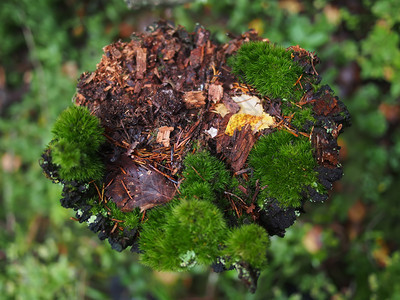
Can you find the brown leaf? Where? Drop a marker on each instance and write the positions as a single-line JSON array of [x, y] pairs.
[[137, 186], [251, 209]]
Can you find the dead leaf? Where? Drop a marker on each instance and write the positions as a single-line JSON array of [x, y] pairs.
[[257, 123], [136, 186], [251, 209], [251, 113], [250, 105], [221, 109]]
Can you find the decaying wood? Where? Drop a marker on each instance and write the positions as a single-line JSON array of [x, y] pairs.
[[194, 99], [163, 90], [163, 135]]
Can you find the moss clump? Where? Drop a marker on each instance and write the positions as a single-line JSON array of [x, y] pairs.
[[129, 219], [197, 226], [202, 167], [302, 116], [157, 252], [248, 243], [268, 68], [192, 234], [77, 139], [285, 165], [194, 230], [206, 178]]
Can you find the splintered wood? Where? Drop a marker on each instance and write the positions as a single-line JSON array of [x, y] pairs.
[[163, 135]]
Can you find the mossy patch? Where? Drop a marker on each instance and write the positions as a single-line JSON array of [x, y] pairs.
[[284, 164], [302, 116], [248, 243], [202, 167], [192, 234], [268, 68], [77, 139]]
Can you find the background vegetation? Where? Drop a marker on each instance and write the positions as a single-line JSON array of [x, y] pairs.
[[347, 248]]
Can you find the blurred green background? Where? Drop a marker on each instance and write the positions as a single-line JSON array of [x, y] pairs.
[[347, 248]]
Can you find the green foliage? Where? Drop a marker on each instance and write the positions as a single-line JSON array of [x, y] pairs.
[[286, 165], [130, 219], [192, 234], [197, 226], [77, 139], [24, 280], [202, 167], [387, 281], [157, 253], [248, 243], [383, 59], [80, 266], [301, 117], [77, 126], [268, 68], [199, 190]]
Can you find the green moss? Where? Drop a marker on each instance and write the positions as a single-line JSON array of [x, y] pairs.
[[202, 167], [197, 226], [301, 115], [199, 190], [130, 219], [180, 236], [285, 164], [248, 243], [77, 139], [268, 68], [97, 208], [77, 125], [158, 252]]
